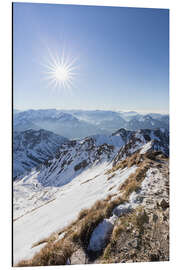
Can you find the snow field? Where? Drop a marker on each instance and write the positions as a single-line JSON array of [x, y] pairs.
[[82, 192]]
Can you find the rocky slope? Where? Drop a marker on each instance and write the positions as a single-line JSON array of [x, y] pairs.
[[33, 147], [75, 156]]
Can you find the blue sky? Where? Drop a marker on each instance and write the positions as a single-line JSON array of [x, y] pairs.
[[122, 57]]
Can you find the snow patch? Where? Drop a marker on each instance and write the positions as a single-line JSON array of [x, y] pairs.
[[100, 235], [146, 147]]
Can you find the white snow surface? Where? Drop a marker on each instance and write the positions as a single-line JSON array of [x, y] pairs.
[[29, 194], [100, 235], [82, 192], [146, 147]]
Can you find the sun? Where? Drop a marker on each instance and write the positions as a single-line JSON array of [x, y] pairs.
[[60, 70], [61, 73]]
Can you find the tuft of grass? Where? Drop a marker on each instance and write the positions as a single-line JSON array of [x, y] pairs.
[[51, 254], [118, 229], [134, 181], [111, 176], [83, 213], [111, 205], [111, 187], [141, 219], [119, 166], [88, 223], [107, 252]]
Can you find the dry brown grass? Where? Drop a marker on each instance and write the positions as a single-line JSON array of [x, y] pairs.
[[111, 176], [51, 238], [135, 159], [118, 229], [130, 161], [84, 229], [134, 181], [111, 205], [83, 213], [119, 166], [111, 187], [52, 254]]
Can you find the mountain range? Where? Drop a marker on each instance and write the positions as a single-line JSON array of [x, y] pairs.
[[75, 156], [61, 159], [81, 123]]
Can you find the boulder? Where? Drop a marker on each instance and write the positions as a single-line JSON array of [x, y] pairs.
[[164, 204], [78, 257]]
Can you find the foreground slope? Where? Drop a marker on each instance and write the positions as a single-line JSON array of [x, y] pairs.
[[82, 192], [99, 170]]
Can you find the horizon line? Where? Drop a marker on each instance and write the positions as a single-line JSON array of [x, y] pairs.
[[95, 109]]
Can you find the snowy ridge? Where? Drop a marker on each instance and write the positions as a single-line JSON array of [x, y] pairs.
[[157, 140], [76, 156]]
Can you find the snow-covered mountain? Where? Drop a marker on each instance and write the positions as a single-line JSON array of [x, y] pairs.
[[147, 122], [110, 121], [33, 147], [15, 111], [146, 140], [51, 196], [75, 156], [81, 123], [59, 122]]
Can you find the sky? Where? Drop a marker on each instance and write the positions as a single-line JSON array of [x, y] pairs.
[[121, 57]]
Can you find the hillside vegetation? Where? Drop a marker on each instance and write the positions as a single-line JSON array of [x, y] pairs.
[[128, 226]]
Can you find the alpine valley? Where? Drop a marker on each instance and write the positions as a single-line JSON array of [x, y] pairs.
[[90, 187]]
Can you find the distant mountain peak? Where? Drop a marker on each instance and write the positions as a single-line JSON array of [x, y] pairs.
[[81, 123], [33, 147]]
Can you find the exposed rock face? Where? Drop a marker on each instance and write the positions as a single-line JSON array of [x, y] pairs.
[[164, 204], [81, 165]]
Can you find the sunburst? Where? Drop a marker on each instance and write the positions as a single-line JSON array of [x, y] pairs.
[[60, 70]]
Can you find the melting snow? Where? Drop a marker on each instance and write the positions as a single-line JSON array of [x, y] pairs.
[[100, 235]]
